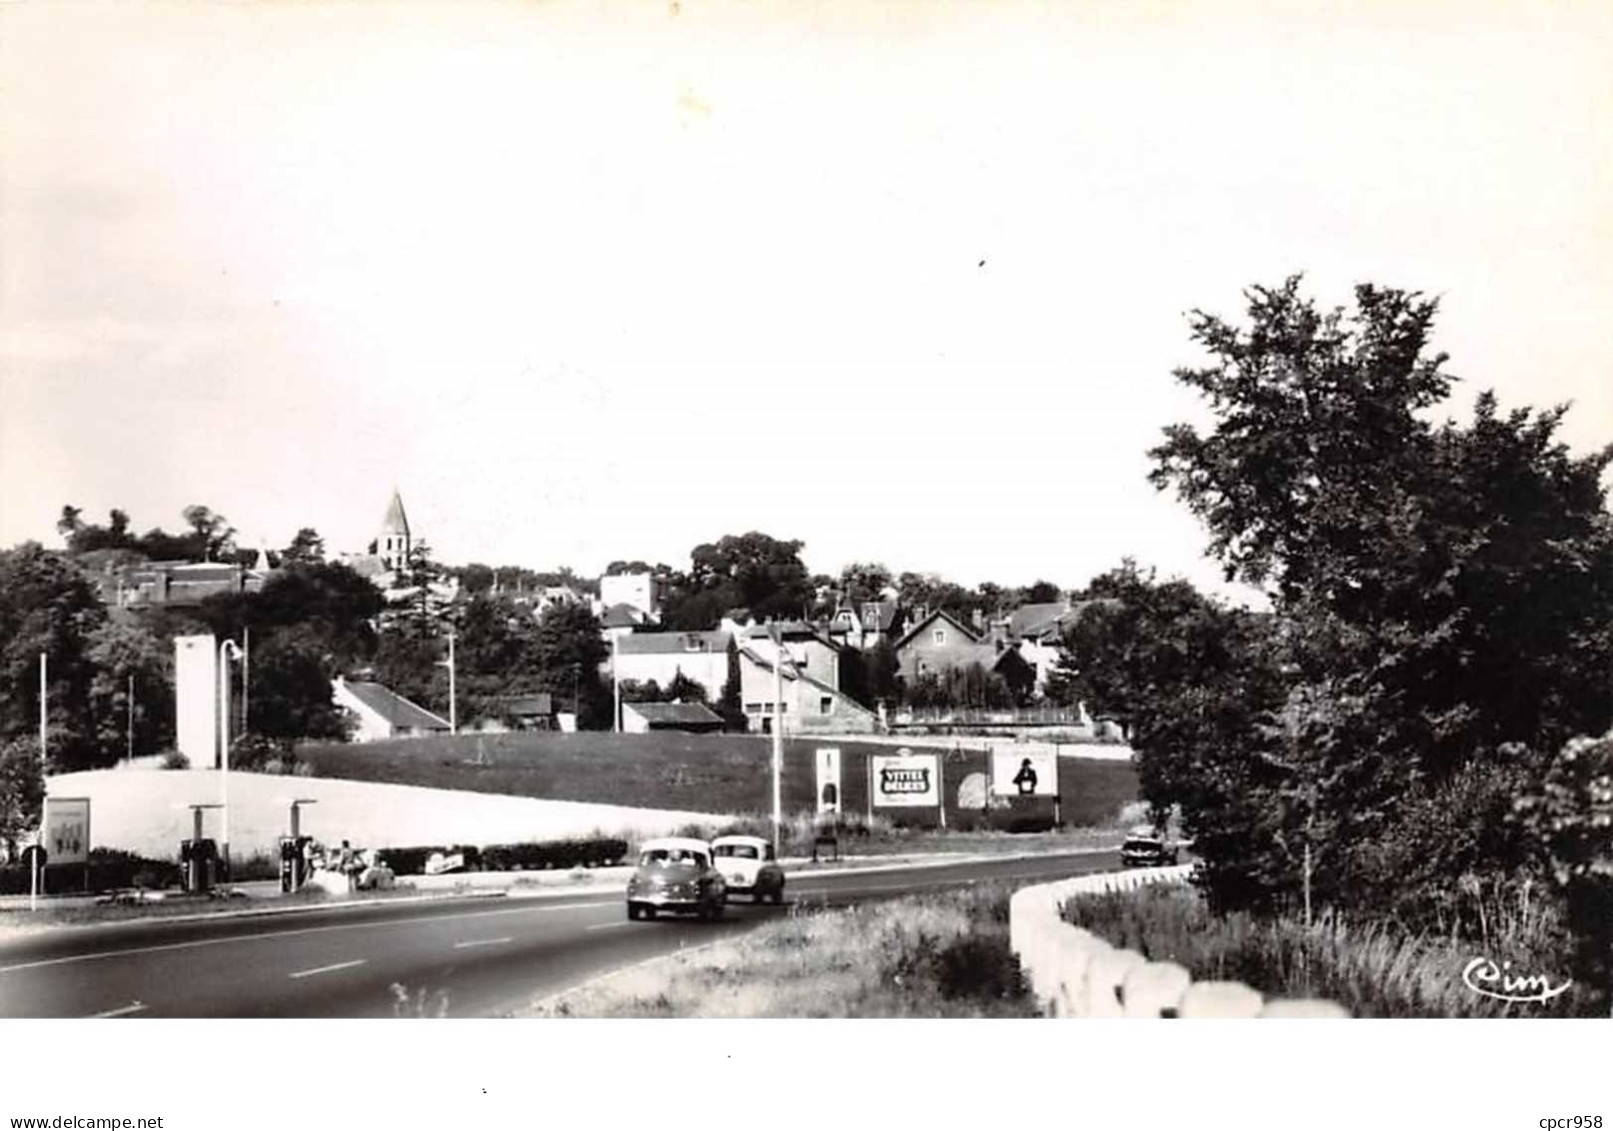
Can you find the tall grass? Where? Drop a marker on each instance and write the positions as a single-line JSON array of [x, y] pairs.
[[937, 955], [1371, 968]]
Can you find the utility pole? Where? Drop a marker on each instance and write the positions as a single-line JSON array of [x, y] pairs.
[[453, 697], [44, 737], [616, 685], [246, 676], [130, 754], [778, 738]]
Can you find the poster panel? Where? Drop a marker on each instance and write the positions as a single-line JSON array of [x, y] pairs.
[[1022, 773], [906, 780], [828, 761], [67, 830]]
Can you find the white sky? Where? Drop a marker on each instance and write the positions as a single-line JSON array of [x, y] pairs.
[[596, 281]]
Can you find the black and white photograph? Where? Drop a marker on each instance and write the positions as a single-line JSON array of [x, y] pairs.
[[693, 512]]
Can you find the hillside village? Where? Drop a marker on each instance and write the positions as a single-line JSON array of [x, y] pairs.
[[852, 659]]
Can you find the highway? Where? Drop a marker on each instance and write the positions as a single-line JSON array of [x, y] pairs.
[[453, 958]]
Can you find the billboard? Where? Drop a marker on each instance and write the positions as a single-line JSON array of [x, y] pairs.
[[196, 699], [1020, 773], [905, 779], [67, 830], [828, 761]]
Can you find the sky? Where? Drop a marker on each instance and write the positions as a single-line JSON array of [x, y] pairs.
[[905, 281]]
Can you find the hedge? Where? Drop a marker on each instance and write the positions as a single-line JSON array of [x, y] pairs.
[[590, 852], [412, 861], [109, 869]]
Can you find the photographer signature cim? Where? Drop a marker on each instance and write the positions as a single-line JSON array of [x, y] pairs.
[[1483, 976]]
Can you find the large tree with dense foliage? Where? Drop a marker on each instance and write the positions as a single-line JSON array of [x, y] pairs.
[[48, 605], [1442, 618]]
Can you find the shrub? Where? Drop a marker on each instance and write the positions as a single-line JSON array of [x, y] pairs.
[[108, 868], [174, 760], [587, 852]]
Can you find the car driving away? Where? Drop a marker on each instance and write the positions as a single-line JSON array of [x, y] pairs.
[[749, 868], [676, 874], [1146, 848]]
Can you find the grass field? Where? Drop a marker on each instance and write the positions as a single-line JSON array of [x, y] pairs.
[[709, 773], [940, 955]]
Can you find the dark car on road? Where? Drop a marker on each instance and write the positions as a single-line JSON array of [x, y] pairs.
[[676, 874], [1146, 848]]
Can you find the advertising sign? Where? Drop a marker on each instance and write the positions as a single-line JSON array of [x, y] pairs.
[[905, 779], [828, 779], [67, 830], [1021, 773]]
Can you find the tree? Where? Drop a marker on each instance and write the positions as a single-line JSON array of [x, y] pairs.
[[213, 532], [121, 650], [1043, 593], [865, 581], [751, 571], [731, 706], [22, 792], [48, 605], [291, 690], [1442, 612], [305, 548], [570, 645]]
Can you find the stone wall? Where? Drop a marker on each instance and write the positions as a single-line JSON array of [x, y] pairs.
[[1074, 973]]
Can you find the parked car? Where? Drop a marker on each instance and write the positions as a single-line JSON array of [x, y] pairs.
[[676, 874], [748, 865], [1147, 848]]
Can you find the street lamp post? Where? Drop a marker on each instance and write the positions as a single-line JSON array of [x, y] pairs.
[[227, 650]]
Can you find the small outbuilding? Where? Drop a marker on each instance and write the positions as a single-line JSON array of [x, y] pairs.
[[691, 718]]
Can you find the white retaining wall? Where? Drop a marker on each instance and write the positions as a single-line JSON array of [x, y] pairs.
[[1074, 973]]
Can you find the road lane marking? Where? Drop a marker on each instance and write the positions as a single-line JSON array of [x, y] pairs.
[[133, 1007], [328, 969], [607, 926], [259, 936], [482, 942]]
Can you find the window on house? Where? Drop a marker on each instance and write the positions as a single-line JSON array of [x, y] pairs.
[[753, 708], [940, 636], [826, 705]]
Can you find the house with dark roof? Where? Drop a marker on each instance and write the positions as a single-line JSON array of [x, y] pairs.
[[691, 718], [941, 642], [663, 656], [865, 625], [383, 713]]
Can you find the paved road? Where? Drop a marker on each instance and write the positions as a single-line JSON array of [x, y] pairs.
[[460, 958]]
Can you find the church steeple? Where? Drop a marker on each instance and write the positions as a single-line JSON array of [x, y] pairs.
[[394, 542]]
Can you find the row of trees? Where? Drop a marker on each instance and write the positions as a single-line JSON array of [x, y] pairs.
[[1394, 739]]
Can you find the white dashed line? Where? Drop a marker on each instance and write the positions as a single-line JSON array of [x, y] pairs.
[[481, 942], [133, 1007], [607, 926], [370, 925], [328, 969]]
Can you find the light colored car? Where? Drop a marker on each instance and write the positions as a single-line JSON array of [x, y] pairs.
[[675, 874], [1145, 847], [748, 865]]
